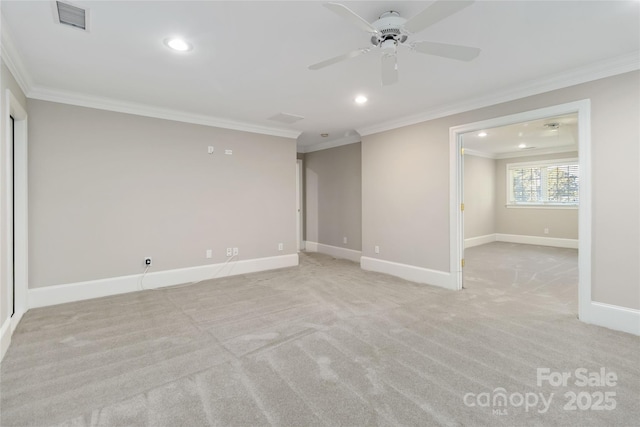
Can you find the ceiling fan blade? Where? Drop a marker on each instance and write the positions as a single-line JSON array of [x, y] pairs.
[[436, 12], [389, 69], [453, 51], [351, 16], [339, 58]]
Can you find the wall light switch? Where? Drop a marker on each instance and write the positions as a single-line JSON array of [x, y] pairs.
[[280, 247], [209, 253], [376, 249], [210, 149]]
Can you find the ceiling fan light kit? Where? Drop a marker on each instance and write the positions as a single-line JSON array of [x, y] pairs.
[[392, 30]]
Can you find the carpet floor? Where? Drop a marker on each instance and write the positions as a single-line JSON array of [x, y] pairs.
[[327, 344]]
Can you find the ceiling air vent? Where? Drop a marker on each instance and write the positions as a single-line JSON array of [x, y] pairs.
[[71, 15], [286, 118]]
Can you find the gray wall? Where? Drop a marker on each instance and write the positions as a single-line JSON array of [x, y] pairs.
[[108, 189], [562, 223], [7, 81], [334, 196], [405, 185], [479, 196]]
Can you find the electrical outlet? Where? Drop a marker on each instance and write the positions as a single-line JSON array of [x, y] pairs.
[[344, 240], [280, 246], [235, 251], [546, 230], [148, 261], [229, 251], [376, 249], [228, 152], [209, 253]]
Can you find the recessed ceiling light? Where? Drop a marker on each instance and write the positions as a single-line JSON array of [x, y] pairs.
[[178, 44], [523, 145], [482, 134], [361, 99]]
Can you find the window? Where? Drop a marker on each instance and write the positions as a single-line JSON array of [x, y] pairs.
[[544, 183]]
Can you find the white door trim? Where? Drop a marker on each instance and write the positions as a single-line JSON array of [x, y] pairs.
[[583, 109], [15, 214], [299, 207]]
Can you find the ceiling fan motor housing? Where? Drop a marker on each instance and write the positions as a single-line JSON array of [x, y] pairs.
[[389, 27]]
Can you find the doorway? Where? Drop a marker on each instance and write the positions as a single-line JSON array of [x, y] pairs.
[[521, 198], [582, 110]]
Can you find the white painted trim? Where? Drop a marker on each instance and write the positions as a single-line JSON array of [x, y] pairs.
[[595, 71], [613, 317], [334, 251], [5, 337], [12, 59], [16, 215], [523, 153], [299, 198], [556, 242], [102, 103], [479, 240], [59, 294], [408, 272], [345, 140]]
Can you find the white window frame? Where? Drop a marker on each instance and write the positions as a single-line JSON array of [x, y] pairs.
[[511, 203]]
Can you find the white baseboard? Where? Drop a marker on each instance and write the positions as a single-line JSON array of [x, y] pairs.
[[334, 251], [5, 337], [613, 317], [59, 294], [518, 238], [6, 331], [479, 240], [408, 272]]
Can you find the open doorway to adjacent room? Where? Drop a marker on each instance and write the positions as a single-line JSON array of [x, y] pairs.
[[521, 209], [521, 198]]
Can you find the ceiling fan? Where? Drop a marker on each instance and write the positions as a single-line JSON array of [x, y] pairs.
[[391, 30]]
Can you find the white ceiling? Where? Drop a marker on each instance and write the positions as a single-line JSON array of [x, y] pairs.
[[537, 136], [250, 59]]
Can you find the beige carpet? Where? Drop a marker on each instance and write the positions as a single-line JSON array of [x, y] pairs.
[[326, 343]]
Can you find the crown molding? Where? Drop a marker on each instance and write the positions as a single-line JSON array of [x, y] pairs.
[[345, 140], [11, 59], [599, 70], [81, 100], [523, 153]]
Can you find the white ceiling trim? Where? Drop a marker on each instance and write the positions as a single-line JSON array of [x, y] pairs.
[[523, 153], [12, 60], [345, 140], [595, 71], [109, 104], [611, 67]]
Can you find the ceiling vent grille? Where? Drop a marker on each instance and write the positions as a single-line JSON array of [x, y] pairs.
[[286, 118], [71, 15]]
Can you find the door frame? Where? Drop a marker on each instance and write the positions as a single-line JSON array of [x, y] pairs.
[[456, 230], [299, 204], [15, 211]]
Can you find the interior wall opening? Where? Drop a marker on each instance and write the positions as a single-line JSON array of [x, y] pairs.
[[520, 189]]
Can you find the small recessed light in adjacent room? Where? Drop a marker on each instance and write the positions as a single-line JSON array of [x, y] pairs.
[[361, 99], [482, 134], [178, 44]]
